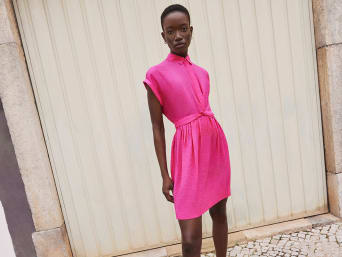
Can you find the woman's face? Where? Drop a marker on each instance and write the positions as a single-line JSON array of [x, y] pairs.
[[177, 32]]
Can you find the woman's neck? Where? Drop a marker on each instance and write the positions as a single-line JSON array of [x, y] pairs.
[[182, 55]]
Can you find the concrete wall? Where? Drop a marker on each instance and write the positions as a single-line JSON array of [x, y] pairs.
[[49, 236], [328, 37]]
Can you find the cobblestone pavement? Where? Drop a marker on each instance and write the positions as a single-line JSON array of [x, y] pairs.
[[319, 241]]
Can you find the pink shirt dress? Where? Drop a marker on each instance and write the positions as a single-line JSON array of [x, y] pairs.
[[200, 165]]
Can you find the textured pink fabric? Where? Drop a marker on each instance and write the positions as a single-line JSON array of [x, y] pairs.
[[200, 165]]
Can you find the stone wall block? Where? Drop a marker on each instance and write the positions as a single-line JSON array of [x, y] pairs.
[[26, 133], [328, 134], [335, 193], [52, 243], [330, 81], [6, 35], [328, 22]]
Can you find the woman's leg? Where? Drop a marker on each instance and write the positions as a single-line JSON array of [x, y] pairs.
[[191, 236], [220, 227]]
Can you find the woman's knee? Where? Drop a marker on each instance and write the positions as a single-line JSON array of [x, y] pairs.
[[191, 235], [191, 244]]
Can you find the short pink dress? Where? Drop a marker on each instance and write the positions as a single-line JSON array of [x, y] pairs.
[[200, 165]]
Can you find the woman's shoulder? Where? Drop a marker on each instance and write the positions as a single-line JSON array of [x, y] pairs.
[[156, 73]]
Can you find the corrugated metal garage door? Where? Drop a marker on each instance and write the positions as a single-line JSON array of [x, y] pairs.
[[87, 60]]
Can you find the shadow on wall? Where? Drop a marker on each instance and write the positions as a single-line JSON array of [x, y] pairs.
[[12, 195]]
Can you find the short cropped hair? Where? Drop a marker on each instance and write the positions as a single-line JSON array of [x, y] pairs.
[[173, 8]]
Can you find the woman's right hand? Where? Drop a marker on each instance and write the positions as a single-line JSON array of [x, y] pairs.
[[167, 186]]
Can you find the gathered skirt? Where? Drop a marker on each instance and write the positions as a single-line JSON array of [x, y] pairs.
[[200, 167]]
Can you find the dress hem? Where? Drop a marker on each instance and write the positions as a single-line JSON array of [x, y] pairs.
[[206, 209]]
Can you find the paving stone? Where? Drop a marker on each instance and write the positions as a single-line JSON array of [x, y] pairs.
[[301, 235], [266, 240], [250, 245], [323, 240]]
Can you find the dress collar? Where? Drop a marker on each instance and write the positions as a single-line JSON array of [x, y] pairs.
[[177, 58]]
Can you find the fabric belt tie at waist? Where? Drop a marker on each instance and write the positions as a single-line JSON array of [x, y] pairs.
[[192, 117]]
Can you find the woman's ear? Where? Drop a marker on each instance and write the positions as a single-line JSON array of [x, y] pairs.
[[163, 36]]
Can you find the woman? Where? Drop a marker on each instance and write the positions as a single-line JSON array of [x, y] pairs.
[[200, 166]]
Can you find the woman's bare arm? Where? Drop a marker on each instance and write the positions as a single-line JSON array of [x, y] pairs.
[[159, 141]]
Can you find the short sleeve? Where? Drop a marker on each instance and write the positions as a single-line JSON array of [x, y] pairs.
[[151, 81]]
